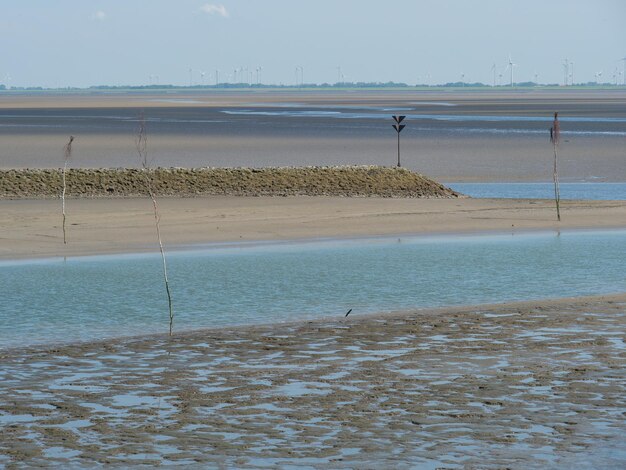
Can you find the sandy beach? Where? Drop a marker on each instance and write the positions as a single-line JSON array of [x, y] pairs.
[[32, 228]]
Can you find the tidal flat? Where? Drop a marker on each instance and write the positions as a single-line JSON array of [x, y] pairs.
[[531, 384], [537, 384], [450, 135]]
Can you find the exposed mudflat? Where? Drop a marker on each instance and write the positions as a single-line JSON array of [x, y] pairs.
[[450, 135], [534, 384]]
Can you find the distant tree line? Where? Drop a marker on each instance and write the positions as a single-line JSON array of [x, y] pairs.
[[244, 85]]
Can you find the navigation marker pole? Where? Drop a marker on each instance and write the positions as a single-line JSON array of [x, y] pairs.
[[398, 127]]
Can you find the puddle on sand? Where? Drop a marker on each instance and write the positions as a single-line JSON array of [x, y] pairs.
[[132, 400], [7, 419], [298, 389], [268, 407], [75, 425], [335, 375], [215, 389], [60, 453]]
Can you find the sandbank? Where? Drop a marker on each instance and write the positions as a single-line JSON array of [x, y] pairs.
[[32, 228]]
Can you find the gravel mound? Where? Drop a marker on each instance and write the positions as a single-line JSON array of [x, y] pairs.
[[360, 181]]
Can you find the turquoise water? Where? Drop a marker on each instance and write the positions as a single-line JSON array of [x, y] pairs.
[[109, 296], [579, 191]]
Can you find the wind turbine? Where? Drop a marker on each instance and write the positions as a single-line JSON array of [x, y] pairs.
[[598, 75], [300, 74], [493, 69], [623, 59], [202, 74], [510, 66], [242, 77], [566, 71]]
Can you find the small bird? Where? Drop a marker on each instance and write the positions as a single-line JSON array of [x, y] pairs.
[[348, 312]]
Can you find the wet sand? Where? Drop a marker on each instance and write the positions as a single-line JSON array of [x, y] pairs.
[[32, 228], [200, 129], [524, 385]]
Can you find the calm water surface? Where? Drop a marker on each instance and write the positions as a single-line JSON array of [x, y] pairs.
[[109, 296], [578, 191]]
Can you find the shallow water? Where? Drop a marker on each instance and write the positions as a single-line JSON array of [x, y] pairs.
[[417, 116], [574, 191], [109, 296]]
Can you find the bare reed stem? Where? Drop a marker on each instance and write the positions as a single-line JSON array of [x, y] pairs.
[[555, 134], [67, 154], [142, 149]]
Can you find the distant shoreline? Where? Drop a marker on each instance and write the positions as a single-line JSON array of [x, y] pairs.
[[313, 87]]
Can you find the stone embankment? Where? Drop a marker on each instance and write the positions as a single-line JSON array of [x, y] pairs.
[[359, 181]]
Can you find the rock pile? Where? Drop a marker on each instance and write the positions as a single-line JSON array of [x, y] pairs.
[[360, 181]]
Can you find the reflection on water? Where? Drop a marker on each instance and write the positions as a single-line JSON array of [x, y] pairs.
[[107, 296]]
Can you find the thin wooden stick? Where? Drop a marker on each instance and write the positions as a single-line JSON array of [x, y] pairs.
[[142, 150], [555, 134], [67, 154]]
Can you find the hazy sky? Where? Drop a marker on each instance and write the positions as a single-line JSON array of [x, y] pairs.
[[118, 42]]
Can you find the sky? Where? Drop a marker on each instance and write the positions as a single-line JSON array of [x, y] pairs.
[[81, 43]]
